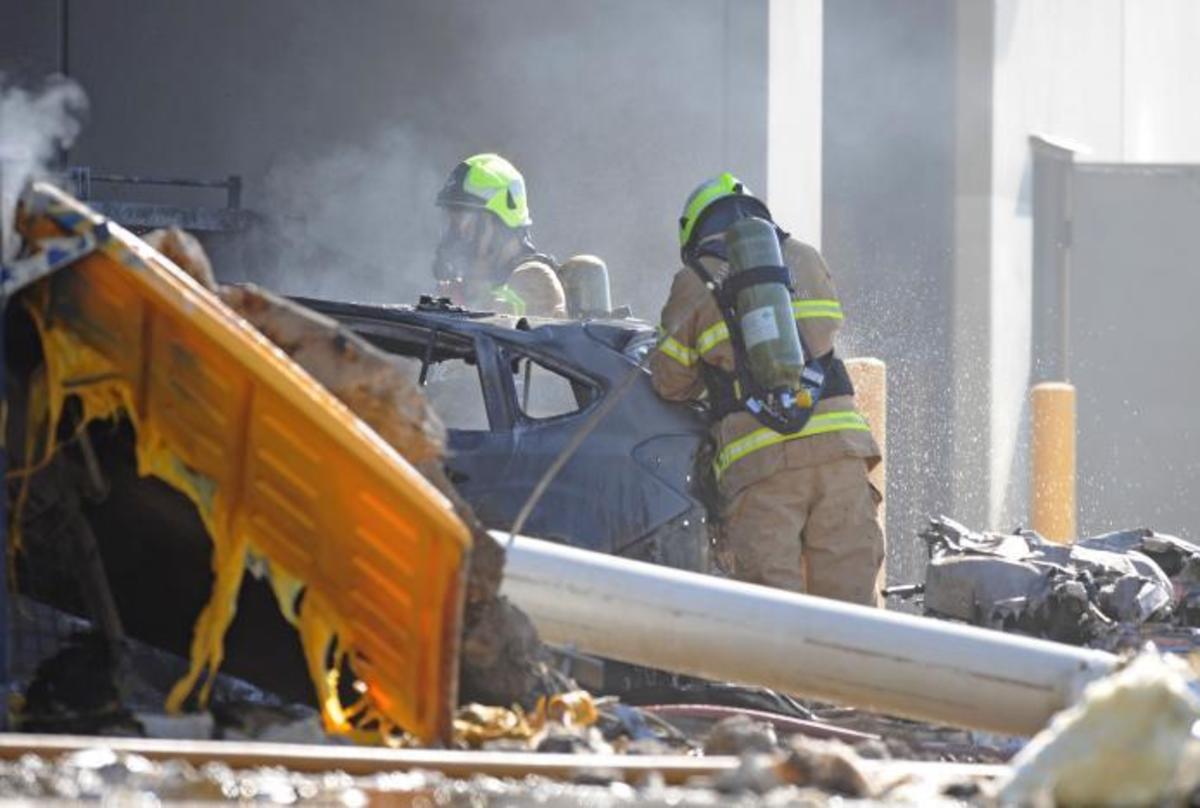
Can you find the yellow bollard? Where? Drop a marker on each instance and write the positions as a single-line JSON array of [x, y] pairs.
[[1052, 453], [870, 393]]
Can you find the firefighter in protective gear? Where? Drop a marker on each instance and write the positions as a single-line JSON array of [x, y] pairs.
[[797, 511], [486, 258]]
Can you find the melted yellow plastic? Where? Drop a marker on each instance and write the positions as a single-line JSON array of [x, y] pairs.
[[476, 725], [276, 467]]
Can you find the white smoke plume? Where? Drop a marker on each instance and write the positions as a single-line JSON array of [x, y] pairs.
[[354, 221], [34, 124]]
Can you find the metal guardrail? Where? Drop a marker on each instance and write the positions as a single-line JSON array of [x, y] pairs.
[[145, 215]]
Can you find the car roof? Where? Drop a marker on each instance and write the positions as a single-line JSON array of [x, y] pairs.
[[442, 312], [545, 332]]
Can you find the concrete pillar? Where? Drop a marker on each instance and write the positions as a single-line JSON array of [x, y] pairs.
[[974, 54], [744, 94], [794, 118]]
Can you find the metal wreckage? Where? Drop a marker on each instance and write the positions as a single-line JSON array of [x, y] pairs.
[[1111, 591], [177, 434], [170, 435]]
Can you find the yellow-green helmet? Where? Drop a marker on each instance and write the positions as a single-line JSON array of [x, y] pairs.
[[488, 182], [699, 207]]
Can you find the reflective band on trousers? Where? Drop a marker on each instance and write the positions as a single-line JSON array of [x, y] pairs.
[[717, 333], [819, 424]]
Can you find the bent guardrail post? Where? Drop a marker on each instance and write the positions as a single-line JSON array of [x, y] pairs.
[[812, 647]]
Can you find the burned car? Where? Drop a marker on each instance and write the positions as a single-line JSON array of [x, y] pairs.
[[513, 391]]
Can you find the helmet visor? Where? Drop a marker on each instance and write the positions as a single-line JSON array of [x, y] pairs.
[[458, 245]]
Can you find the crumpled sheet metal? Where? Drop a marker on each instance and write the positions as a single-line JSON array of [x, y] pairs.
[[278, 468], [1072, 593]]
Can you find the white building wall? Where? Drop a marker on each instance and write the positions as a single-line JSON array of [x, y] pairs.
[[1116, 77], [1161, 87]]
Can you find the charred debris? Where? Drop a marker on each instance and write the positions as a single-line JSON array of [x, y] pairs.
[[1113, 591]]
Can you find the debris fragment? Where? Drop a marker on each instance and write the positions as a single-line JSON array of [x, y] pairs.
[[831, 766], [1124, 743], [1089, 592], [476, 726], [73, 691], [738, 735]]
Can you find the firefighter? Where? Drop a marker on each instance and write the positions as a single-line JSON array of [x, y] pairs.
[[797, 511], [486, 258]]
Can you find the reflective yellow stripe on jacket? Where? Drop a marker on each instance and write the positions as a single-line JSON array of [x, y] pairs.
[[812, 309], [819, 424], [677, 350], [718, 332]]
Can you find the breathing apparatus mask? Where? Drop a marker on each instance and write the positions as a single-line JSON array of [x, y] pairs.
[[465, 246]]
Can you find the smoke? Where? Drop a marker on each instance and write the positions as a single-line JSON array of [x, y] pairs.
[[33, 125], [888, 235], [356, 220]]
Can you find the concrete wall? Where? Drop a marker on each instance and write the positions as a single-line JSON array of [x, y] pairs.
[[345, 118], [1115, 77], [1133, 335]]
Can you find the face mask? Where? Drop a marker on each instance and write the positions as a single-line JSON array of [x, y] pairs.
[[463, 252], [454, 249]]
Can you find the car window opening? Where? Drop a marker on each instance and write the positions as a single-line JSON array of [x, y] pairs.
[[546, 393], [453, 389]]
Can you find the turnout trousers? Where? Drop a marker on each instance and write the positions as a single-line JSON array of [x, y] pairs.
[[813, 529]]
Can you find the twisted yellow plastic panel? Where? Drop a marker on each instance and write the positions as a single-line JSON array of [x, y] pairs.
[[277, 466]]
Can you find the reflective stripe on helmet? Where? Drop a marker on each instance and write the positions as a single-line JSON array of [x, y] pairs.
[[819, 424]]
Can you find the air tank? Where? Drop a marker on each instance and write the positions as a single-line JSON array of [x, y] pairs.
[[585, 283], [764, 310]]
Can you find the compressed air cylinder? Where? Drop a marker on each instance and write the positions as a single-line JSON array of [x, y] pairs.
[[585, 282], [764, 310]]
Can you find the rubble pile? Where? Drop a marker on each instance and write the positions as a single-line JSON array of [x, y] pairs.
[[1110, 591], [797, 771]]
